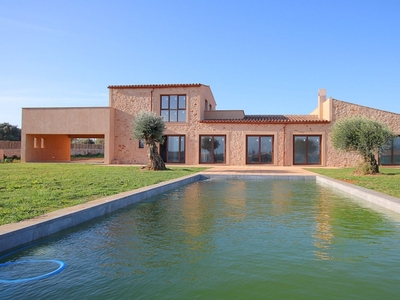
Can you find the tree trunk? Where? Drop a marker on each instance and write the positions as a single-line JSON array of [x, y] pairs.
[[374, 164], [155, 162]]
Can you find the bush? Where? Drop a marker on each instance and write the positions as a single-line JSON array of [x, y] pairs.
[[364, 168], [11, 159]]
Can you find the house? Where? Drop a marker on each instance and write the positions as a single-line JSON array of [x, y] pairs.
[[196, 131]]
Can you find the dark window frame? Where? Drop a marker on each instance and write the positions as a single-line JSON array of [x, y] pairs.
[[259, 149], [306, 151], [141, 143], [212, 144], [182, 158], [392, 155], [169, 109]]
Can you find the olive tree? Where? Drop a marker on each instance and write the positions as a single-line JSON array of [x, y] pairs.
[[149, 127], [365, 136]]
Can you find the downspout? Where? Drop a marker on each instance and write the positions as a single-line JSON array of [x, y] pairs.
[[284, 146], [151, 99]]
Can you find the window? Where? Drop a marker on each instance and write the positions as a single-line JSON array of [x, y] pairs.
[[307, 149], [173, 108], [173, 149], [391, 155], [260, 149], [141, 143], [206, 105], [212, 149]]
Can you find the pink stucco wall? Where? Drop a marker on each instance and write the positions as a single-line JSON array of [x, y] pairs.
[[58, 125]]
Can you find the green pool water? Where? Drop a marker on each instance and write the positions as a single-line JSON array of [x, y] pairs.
[[226, 239]]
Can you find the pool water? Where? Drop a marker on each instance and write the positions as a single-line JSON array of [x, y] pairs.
[[226, 239]]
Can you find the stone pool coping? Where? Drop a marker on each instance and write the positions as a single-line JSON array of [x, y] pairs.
[[17, 234]]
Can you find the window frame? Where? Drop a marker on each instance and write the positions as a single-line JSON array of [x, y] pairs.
[[306, 150], [392, 155], [212, 144], [182, 158], [141, 144], [259, 149], [169, 109]]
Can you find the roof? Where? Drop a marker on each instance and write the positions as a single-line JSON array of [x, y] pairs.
[[271, 119], [152, 86]]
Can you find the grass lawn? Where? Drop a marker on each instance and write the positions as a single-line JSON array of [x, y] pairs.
[[388, 181], [30, 190]]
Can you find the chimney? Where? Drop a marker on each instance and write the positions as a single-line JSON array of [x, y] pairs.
[[321, 100]]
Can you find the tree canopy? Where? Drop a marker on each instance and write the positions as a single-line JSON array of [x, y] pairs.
[[365, 136], [149, 127], [9, 132]]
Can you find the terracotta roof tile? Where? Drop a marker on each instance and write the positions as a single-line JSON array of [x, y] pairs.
[[138, 86], [274, 119]]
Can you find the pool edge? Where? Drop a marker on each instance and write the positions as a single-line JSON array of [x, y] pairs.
[[380, 199], [17, 234]]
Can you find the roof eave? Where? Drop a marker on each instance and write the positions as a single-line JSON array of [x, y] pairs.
[[152, 86]]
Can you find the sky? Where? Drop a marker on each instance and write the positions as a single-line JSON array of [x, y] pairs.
[[264, 57]]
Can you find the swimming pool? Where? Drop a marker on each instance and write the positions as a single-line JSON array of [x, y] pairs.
[[224, 239]]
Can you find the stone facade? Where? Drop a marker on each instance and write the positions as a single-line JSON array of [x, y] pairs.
[[342, 109], [10, 149], [115, 122]]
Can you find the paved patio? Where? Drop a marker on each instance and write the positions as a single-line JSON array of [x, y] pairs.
[[257, 170]]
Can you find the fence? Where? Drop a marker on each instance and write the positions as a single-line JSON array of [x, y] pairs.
[[12, 148], [84, 149]]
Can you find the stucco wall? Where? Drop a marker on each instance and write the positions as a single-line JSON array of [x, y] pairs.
[[47, 148], [57, 125]]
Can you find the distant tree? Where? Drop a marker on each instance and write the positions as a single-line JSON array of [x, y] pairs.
[[365, 136], [99, 141], [85, 141], [150, 127], [9, 132]]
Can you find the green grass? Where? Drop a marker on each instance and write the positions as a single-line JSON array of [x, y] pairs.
[[387, 182], [30, 190]]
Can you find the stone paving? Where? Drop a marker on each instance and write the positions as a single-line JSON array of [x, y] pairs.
[[257, 170]]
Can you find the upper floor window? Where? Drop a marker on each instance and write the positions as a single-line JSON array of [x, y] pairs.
[[173, 108]]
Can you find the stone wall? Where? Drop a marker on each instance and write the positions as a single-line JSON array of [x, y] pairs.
[[342, 109], [130, 101], [10, 148]]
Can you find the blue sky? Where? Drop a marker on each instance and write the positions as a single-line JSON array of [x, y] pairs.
[[265, 57]]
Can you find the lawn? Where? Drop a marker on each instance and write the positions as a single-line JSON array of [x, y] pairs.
[[388, 181], [30, 190]]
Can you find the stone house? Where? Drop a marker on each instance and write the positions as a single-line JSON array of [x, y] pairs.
[[196, 131]]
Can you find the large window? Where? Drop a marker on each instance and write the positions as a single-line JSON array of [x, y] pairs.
[[260, 149], [173, 149], [212, 149], [307, 149], [391, 156], [173, 108]]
